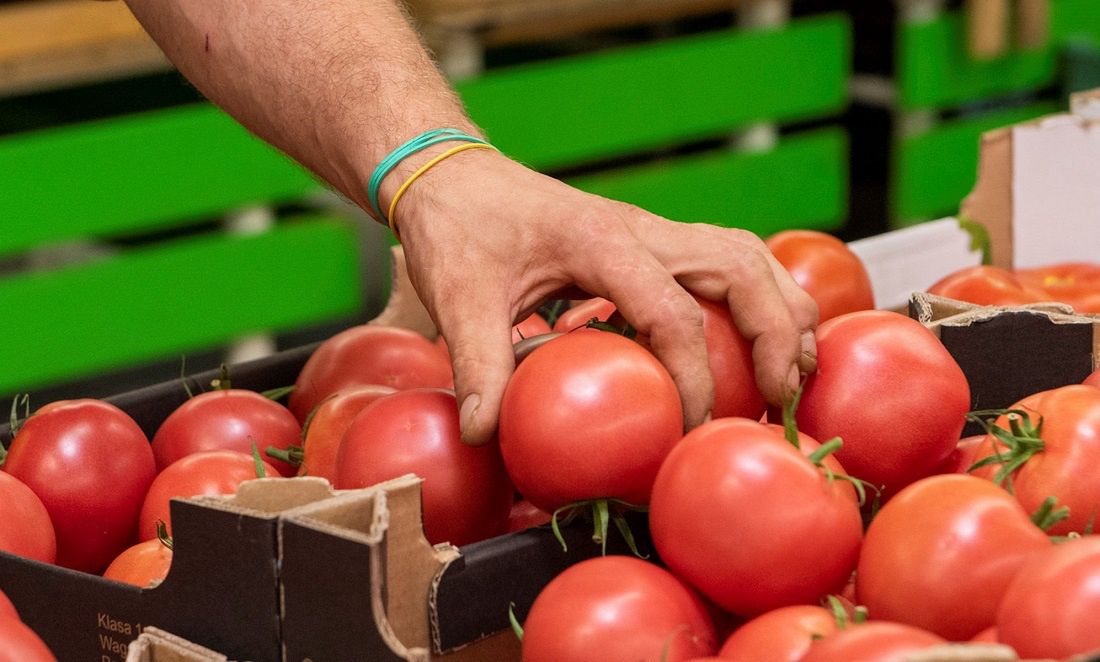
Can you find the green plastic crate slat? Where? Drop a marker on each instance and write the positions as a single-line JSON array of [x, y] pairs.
[[185, 295], [935, 71], [134, 174], [801, 183], [934, 171], [585, 108]]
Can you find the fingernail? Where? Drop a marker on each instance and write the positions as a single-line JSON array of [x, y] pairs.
[[807, 361], [467, 412], [794, 379]]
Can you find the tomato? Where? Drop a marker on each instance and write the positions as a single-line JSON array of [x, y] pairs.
[[1065, 465], [21, 644], [466, 493], [986, 636], [577, 316], [941, 553], [90, 464], [826, 268], [588, 415], [369, 354], [988, 286], [206, 473], [7, 609], [1093, 379], [145, 564], [734, 509], [231, 419], [524, 515], [887, 387], [617, 608], [876, 641], [1075, 283], [25, 527], [1050, 609], [780, 635], [325, 428], [963, 457]]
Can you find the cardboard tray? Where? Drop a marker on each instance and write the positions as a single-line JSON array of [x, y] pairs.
[[1009, 353]]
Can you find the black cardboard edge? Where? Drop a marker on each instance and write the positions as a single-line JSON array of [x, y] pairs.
[[475, 591]]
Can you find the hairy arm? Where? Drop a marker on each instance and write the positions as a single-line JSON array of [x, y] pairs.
[[337, 84]]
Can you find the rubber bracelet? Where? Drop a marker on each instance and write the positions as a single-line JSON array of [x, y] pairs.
[[423, 169], [406, 149]]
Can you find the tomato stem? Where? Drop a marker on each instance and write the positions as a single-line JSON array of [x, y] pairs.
[[183, 378], [790, 425], [222, 382], [516, 627], [162, 534], [979, 238], [1046, 516], [825, 450], [626, 330], [278, 393], [555, 311], [292, 455], [257, 460]]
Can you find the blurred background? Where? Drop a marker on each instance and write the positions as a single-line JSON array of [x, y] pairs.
[[144, 234]]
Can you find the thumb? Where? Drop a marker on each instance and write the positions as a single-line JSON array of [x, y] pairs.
[[483, 360]]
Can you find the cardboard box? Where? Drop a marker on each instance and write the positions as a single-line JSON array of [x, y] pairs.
[[155, 645], [1011, 352], [1037, 188]]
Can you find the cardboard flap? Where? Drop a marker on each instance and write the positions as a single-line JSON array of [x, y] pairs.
[[1036, 191], [964, 653], [381, 528], [936, 312], [155, 645], [270, 496]]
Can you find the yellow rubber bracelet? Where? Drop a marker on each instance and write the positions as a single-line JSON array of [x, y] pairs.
[[420, 171]]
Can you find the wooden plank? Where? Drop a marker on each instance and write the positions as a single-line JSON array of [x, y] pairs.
[[159, 302], [934, 171], [62, 42], [135, 174], [935, 70], [576, 110], [802, 183]]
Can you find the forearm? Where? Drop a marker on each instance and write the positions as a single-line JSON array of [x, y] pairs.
[[336, 84]]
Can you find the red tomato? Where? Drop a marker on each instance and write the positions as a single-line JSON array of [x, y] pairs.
[[326, 426], [207, 473], [145, 564], [21, 644], [369, 354], [887, 387], [90, 464], [588, 415], [25, 527], [231, 420], [734, 509], [1075, 283], [986, 636], [1093, 379], [524, 515], [963, 457], [7, 609], [877, 641], [466, 493], [532, 326], [941, 553], [617, 608], [780, 635], [577, 316], [1066, 466], [730, 359], [826, 268], [1050, 609], [988, 286]]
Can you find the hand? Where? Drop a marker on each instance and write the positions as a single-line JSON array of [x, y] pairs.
[[488, 240]]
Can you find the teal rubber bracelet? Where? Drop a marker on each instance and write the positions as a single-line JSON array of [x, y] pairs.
[[406, 149]]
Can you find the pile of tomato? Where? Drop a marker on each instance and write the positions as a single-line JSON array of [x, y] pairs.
[[849, 522], [1074, 283]]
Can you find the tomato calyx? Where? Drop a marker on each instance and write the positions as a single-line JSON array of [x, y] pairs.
[[1046, 515], [979, 238], [517, 627], [602, 516], [257, 460], [222, 381], [841, 615], [1023, 440]]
